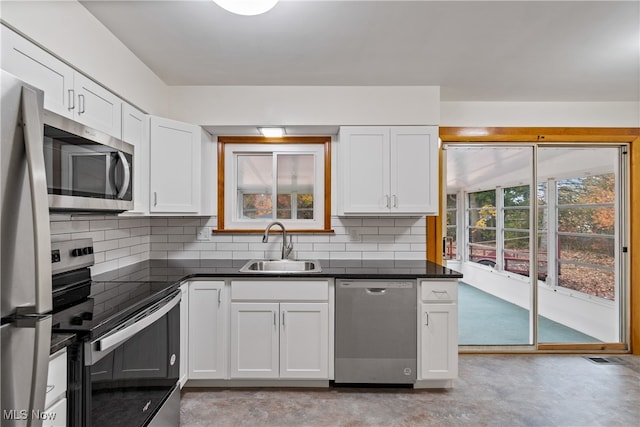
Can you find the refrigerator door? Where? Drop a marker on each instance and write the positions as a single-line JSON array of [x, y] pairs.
[[24, 364], [25, 271]]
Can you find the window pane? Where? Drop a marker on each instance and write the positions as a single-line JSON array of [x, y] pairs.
[[587, 264], [592, 220], [255, 181], [304, 203], [516, 218], [284, 206], [516, 196], [256, 206], [295, 186], [452, 201]]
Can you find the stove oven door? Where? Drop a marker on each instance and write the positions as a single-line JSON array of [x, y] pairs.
[[131, 374]]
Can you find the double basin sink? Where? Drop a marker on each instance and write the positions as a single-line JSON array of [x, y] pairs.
[[280, 266]]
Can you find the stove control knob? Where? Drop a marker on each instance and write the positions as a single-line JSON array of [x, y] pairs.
[[87, 251], [87, 315], [76, 320], [76, 252]]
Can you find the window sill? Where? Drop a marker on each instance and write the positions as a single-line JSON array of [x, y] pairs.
[[261, 231]]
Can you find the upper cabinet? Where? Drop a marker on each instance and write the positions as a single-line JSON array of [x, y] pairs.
[[67, 92], [135, 131], [175, 150], [388, 170]]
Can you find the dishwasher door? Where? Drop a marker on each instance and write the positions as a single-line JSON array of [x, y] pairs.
[[376, 331]]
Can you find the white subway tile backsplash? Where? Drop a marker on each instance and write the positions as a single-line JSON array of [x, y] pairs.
[[122, 241]]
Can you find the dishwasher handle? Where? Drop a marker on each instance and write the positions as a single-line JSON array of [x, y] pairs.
[[376, 291]]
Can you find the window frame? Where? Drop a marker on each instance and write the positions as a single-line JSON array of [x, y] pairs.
[[324, 221]]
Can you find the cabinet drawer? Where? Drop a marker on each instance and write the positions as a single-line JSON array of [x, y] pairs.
[[267, 290], [57, 377], [439, 291]]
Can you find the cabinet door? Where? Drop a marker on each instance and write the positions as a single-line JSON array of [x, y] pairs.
[[304, 340], [414, 169], [135, 131], [37, 67], [174, 167], [439, 341], [97, 107], [254, 340], [56, 414], [184, 334], [364, 156], [207, 338]]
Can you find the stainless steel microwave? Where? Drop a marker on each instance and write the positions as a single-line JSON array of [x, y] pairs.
[[87, 170]]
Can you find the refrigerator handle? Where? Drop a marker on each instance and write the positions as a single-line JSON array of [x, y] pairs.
[[40, 366], [33, 138]]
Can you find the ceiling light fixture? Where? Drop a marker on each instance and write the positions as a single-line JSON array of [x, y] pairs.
[[246, 7], [272, 132]]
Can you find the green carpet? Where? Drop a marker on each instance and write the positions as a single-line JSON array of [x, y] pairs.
[[484, 319]]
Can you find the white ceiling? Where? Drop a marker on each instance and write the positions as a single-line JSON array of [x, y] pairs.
[[473, 50], [480, 168]]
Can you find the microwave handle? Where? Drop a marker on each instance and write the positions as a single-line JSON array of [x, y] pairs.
[[127, 175], [33, 136]]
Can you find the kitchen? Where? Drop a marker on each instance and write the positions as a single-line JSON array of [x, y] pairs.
[[124, 241]]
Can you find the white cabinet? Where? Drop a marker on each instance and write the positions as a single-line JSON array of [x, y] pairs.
[[174, 166], [135, 131], [184, 334], [56, 398], [388, 170], [207, 330], [304, 340], [274, 339], [66, 91], [95, 106], [39, 68], [286, 340], [438, 329]]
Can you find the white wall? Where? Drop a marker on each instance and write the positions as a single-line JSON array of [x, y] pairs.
[[541, 114], [306, 105], [68, 30]]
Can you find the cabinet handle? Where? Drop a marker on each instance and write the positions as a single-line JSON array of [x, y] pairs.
[[283, 319], [219, 292], [386, 203], [274, 318], [155, 198], [395, 201], [427, 314], [72, 100], [81, 104]]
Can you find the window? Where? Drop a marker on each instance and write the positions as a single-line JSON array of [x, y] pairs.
[[481, 213], [274, 179]]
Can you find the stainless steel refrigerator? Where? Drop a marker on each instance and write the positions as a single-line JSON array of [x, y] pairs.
[[25, 254]]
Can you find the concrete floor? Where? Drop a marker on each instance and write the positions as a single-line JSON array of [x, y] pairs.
[[492, 390]]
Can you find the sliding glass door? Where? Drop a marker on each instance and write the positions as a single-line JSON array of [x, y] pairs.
[[541, 262]]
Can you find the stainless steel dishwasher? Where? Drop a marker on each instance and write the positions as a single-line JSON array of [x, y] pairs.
[[376, 336]]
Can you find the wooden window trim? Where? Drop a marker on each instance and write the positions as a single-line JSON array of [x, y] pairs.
[[325, 140]]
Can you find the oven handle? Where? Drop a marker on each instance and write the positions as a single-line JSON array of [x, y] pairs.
[[103, 346]]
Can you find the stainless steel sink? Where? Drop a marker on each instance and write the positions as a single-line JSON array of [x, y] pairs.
[[278, 266]]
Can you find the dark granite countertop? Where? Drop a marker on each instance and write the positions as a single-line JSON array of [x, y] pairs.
[[182, 269], [60, 341]]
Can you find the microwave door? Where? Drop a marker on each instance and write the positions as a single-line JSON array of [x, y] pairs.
[[86, 172]]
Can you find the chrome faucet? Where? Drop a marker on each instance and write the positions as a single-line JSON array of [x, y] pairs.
[[286, 247]]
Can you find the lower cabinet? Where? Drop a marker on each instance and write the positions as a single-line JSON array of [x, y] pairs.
[[438, 329], [207, 330], [280, 340], [56, 398]]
